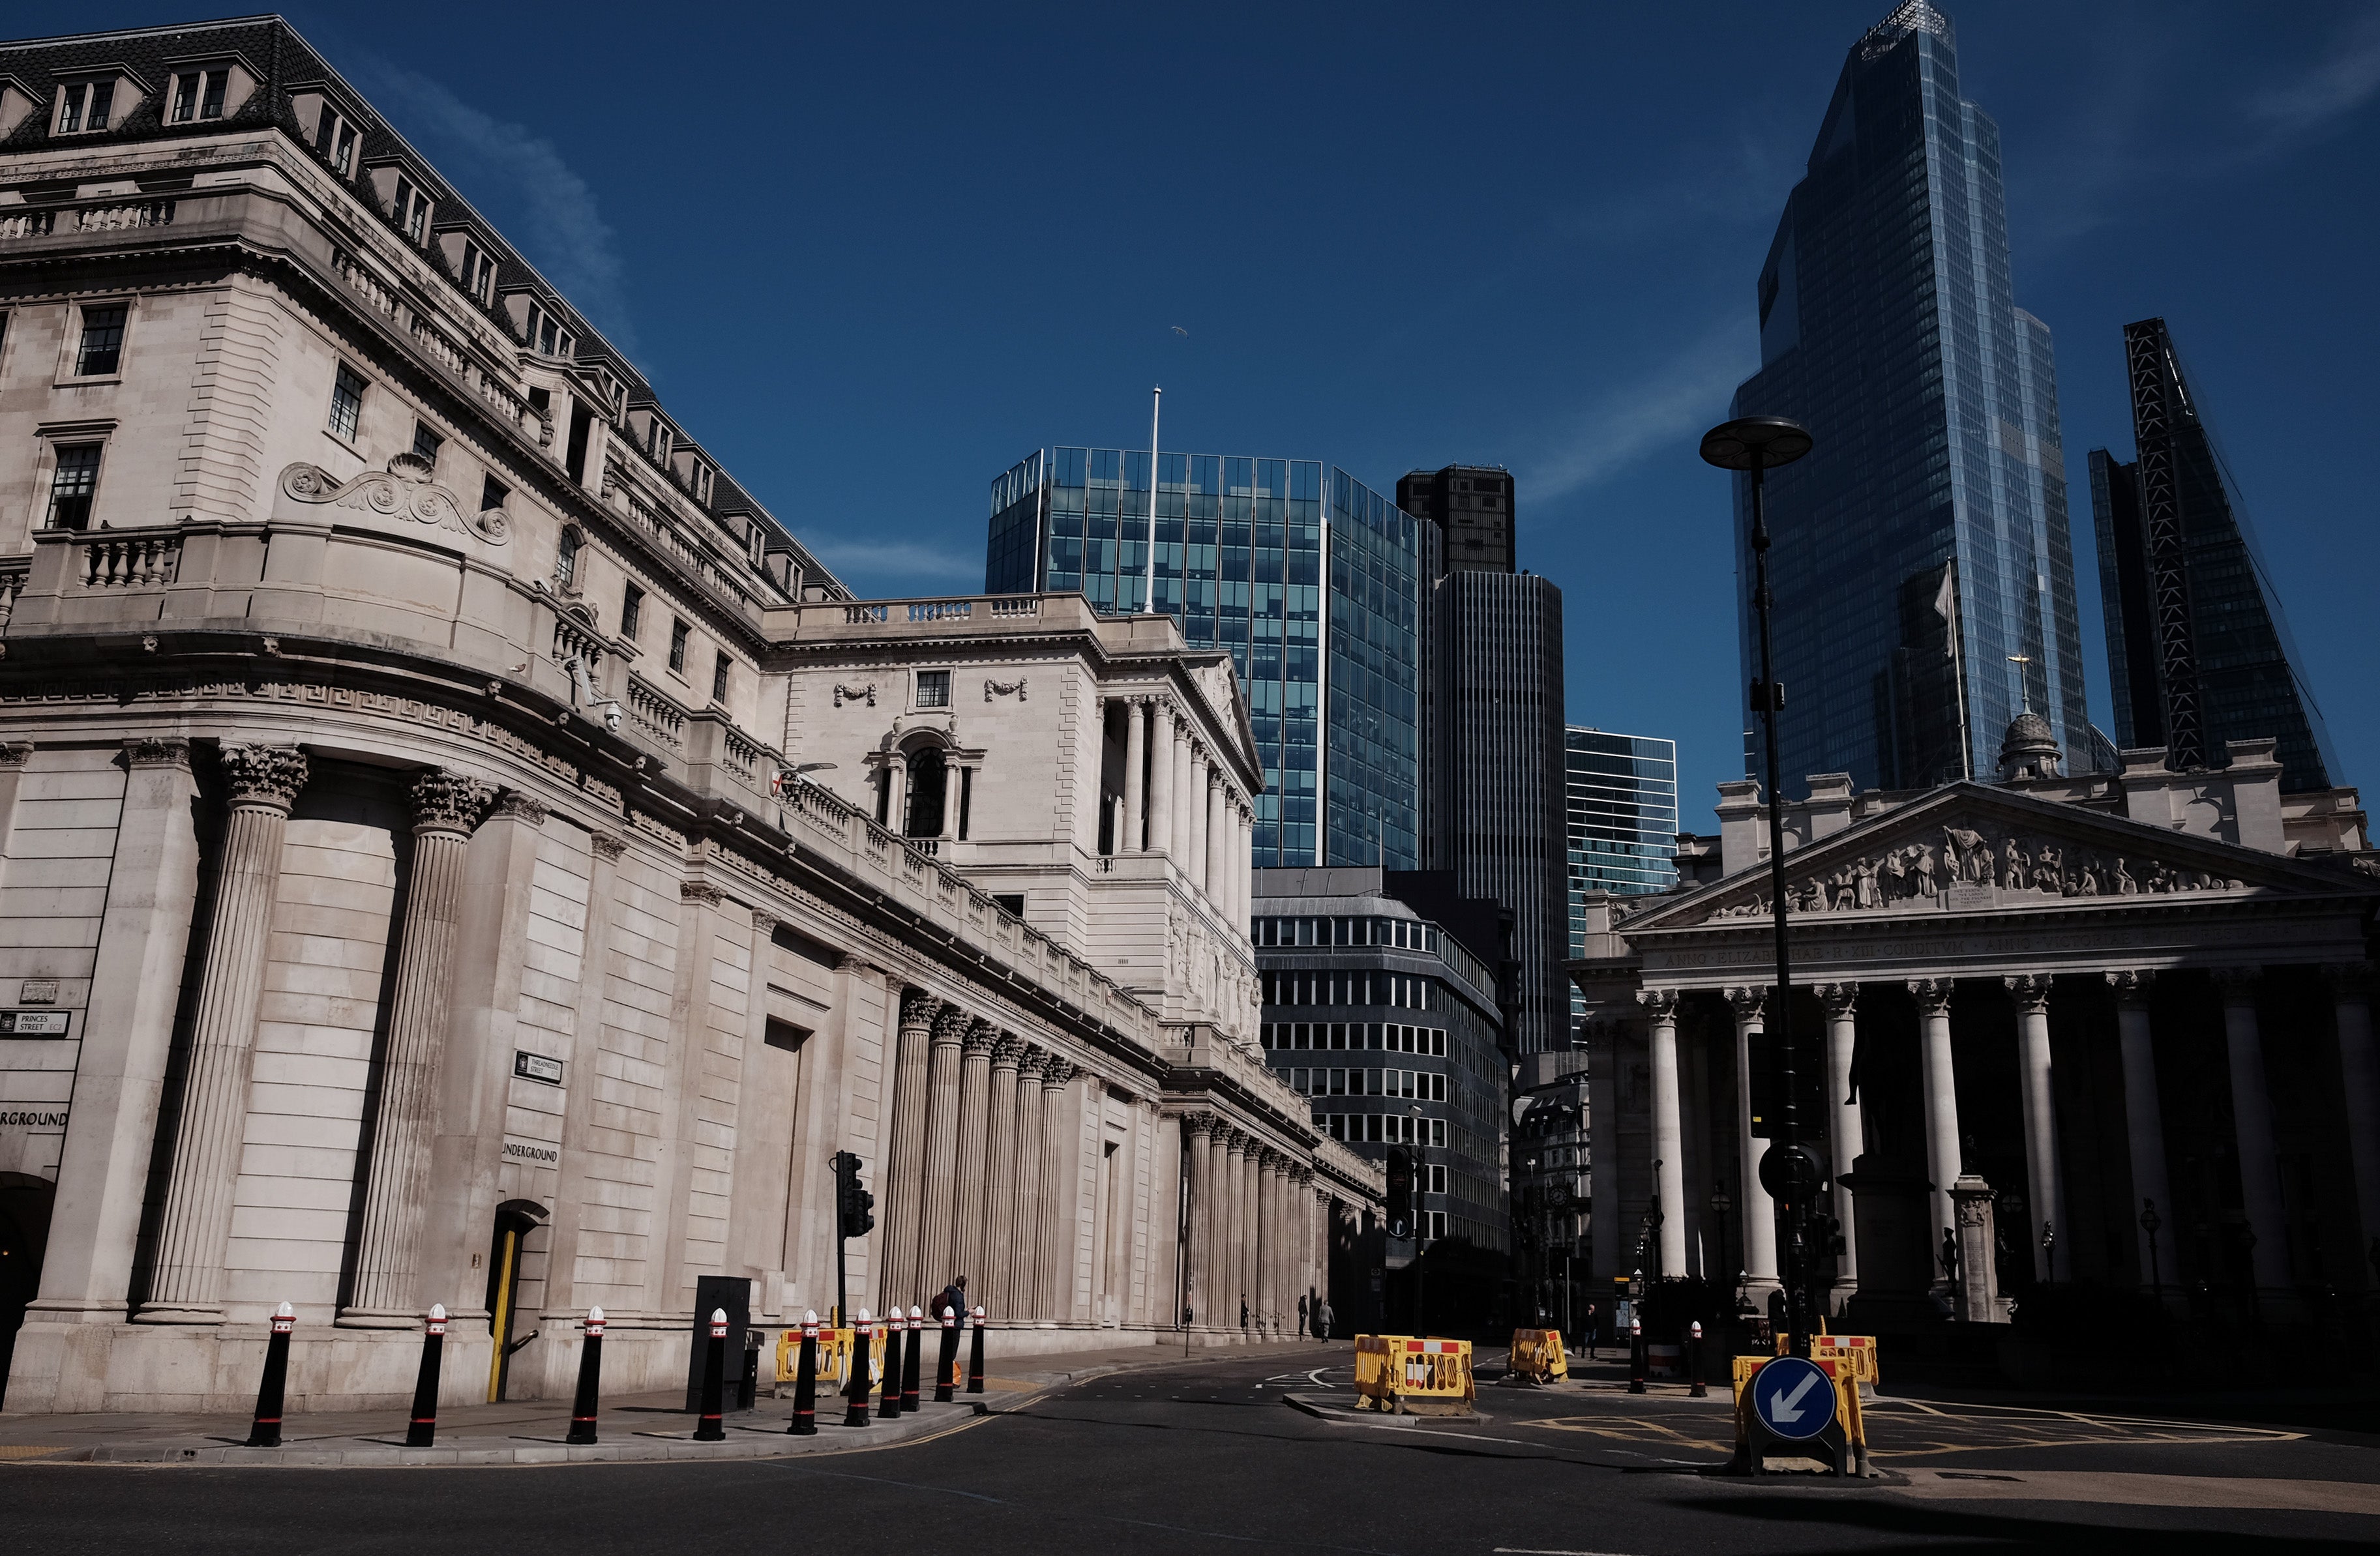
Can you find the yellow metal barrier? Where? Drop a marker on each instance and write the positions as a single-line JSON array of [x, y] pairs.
[[1410, 1376], [1855, 1351], [1538, 1353], [1845, 1375], [833, 1354]]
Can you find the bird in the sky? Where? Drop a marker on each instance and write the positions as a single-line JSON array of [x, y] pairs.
[[1180, 330]]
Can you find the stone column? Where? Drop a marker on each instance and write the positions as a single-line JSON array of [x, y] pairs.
[[1234, 1242], [1161, 779], [1943, 1154], [1135, 767], [1197, 1185], [1243, 863], [1669, 1129], [900, 1272], [1251, 1233], [1269, 1240], [1022, 1293], [2041, 1173], [1061, 1184], [1000, 1179], [119, 1078], [1180, 801], [970, 1245], [2143, 1124], [2251, 1123], [2351, 987], [446, 809], [263, 781], [940, 1245], [1219, 848], [1846, 1135], [1759, 1241], [896, 783], [1217, 1311], [1606, 1244]]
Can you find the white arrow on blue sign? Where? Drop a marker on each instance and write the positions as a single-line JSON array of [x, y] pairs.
[[1794, 1397]]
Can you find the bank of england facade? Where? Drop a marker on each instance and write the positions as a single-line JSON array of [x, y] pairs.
[[457, 846], [2108, 1029]]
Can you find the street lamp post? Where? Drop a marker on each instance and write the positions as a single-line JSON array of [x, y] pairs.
[[2150, 1222], [1722, 1203], [1788, 1170]]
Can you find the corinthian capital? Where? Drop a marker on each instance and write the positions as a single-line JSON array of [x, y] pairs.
[[980, 1035], [265, 777], [1058, 1071], [1661, 1005], [447, 802], [2031, 991], [1933, 994], [2132, 986], [918, 1009], [951, 1025], [1841, 1000], [1747, 1004]]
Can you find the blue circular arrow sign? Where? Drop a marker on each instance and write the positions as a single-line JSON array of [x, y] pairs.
[[1794, 1397]]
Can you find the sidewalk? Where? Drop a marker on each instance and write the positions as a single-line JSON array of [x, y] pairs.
[[631, 1428]]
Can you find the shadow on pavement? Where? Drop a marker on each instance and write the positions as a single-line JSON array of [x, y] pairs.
[[1894, 1515]]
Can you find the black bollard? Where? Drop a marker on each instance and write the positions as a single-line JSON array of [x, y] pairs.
[[1700, 1390], [856, 1388], [590, 1382], [892, 1404], [421, 1430], [804, 1421], [948, 1357], [714, 1382], [266, 1432], [910, 1362], [1636, 1356], [975, 1355]]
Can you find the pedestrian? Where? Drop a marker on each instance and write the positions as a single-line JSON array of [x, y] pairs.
[[952, 1299], [1322, 1319], [1301, 1316], [1592, 1332], [1244, 1310]]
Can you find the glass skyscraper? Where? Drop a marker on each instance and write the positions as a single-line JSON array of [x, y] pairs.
[[1923, 571], [2198, 650], [1622, 821], [1308, 577]]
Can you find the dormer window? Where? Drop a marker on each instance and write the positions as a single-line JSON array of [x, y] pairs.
[[86, 107], [479, 272], [657, 439], [198, 94], [547, 335], [412, 209], [334, 136]]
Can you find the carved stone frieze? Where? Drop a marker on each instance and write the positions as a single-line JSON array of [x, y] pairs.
[[1004, 688], [861, 693], [407, 489]]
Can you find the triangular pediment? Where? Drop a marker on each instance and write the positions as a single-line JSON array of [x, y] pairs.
[[1972, 848]]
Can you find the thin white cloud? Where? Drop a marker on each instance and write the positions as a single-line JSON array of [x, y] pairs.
[[895, 567], [521, 181], [1680, 395], [2341, 84]]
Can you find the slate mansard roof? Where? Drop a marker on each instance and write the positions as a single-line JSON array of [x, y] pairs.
[[273, 52]]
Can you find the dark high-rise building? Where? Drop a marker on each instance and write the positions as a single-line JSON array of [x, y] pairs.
[[1472, 507], [1922, 571], [1622, 821], [1312, 582], [2198, 651]]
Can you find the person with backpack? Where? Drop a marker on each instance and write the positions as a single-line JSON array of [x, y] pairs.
[[952, 1298]]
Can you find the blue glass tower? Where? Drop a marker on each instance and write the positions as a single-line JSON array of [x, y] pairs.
[[1922, 570], [1308, 577], [1621, 822]]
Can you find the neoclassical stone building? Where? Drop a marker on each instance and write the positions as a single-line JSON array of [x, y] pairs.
[[2053, 998], [403, 897]]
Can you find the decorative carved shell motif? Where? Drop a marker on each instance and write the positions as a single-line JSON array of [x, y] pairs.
[[406, 490]]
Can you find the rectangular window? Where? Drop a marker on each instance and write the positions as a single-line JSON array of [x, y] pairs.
[[427, 443], [102, 348], [412, 211], [493, 493], [211, 101], [479, 272], [1438, 1131], [632, 611], [343, 159], [933, 688], [347, 403], [719, 678], [185, 98], [73, 485], [678, 646], [71, 111]]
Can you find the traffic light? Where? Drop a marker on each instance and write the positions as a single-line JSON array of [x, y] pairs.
[[855, 1206], [1401, 1183]]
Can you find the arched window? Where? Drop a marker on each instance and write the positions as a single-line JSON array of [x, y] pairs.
[[565, 558], [929, 779]]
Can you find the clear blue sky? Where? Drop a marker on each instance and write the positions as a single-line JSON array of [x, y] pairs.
[[872, 254]]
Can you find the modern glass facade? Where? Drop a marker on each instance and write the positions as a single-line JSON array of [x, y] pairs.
[[1310, 579], [1622, 821], [1922, 569], [2198, 651]]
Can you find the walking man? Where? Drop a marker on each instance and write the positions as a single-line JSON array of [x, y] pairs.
[[1244, 1310], [1322, 1319], [1301, 1314]]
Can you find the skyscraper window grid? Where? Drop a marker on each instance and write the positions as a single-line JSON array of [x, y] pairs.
[[1622, 821]]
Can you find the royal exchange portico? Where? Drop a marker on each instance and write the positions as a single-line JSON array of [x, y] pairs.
[[2049, 1001]]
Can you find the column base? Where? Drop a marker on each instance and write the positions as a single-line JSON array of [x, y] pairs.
[[180, 1313], [380, 1317]]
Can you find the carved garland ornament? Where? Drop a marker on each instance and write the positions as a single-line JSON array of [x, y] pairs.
[[406, 490], [865, 694], [1003, 689]]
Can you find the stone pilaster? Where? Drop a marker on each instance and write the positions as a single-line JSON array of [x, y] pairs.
[[446, 809], [900, 1236], [1219, 1311], [1196, 1282], [572, 1200], [262, 781], [1024, 1283], [974, 1151], [1061, 1181], [1251, 1233], [940, 1244]]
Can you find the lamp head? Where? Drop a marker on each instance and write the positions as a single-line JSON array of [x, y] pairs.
[[1755, 443]]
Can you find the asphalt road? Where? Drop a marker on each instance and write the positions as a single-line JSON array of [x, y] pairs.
[[1206, 1458]]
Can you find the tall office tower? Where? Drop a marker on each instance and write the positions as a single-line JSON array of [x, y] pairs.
[[1622, 823], [1307, 576], [1924, 576], [1472, 507], [2198, 651]]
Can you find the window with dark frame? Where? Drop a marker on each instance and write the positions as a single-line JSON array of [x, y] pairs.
[[347, 403], [479, 272], [493, 493], [412, 211], [86, 108], [100, 350], [426, 443], [632, 611], [566, 556], [678, 646], [719, 677], [933, 688], [73, 485], [198, 94]]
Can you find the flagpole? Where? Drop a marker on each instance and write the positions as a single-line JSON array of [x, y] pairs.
[[1148, 587]]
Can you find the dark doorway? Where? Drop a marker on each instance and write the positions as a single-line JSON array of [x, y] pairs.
[[25, 1204], [929, 779], [516, 1221]]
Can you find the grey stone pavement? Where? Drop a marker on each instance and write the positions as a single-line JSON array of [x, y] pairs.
[[631, 1428]]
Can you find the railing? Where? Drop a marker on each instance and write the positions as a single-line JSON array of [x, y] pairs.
[[131, 563], [436, 343], [662, 718], [88, 219], [28, 223], [574, 640], [1016, 605], [740, 752], [864, 615], [702, 563], [942, 611]]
